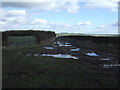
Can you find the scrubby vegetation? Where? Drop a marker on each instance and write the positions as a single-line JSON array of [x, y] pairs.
[[41, 36], [99, 43]]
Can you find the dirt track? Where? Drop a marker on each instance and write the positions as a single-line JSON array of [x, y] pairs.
[[93, 60]]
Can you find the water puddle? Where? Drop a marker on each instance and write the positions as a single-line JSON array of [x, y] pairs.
[[76, 49], [55, 55], [91, 54], [60, 56], [67, 43], [48, 47], [36, 54], [105, 59], [110, 65], [61, 44], [28, 54]]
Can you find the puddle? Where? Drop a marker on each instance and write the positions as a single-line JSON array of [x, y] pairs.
[[28, 54], [56, 43], [36, 54], [91, 54], [105, 59], [60, 56], [55, 46], [111, 65], [116, 65], [76, 49], [67, 43], [61, 44], [48, 47]]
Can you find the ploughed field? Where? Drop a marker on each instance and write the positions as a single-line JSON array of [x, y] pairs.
[[63, 63]]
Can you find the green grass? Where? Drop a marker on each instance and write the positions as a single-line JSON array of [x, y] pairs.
[[47, 72], [21, 71], [83, 34], [72, 34]]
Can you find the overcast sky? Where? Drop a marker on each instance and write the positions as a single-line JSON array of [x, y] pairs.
[[61, 16]]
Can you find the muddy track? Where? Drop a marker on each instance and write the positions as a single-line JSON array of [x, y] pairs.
[[64, 49], [89, 57]]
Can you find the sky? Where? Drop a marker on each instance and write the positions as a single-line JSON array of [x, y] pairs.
[[61, 16]]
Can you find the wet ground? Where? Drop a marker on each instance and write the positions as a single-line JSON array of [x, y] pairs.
[[63, 49], [59, 65]]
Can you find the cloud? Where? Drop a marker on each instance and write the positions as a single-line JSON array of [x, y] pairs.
[[14, 16], [20, 19], [115, 24], [70, 7], [83, 23], [107, 28], [108, 4], [103, 26], [23, 21], [40, 21], [73, 7], [2, 23], [11, 14], [15, 12], [54, 24], [28, 5]]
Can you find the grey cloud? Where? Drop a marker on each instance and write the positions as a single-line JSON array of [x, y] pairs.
[[28, 5], [14, 4], [113, 25], [116, 24], [57, 6]]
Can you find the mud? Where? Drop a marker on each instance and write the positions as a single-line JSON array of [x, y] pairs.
[[89, 57]]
